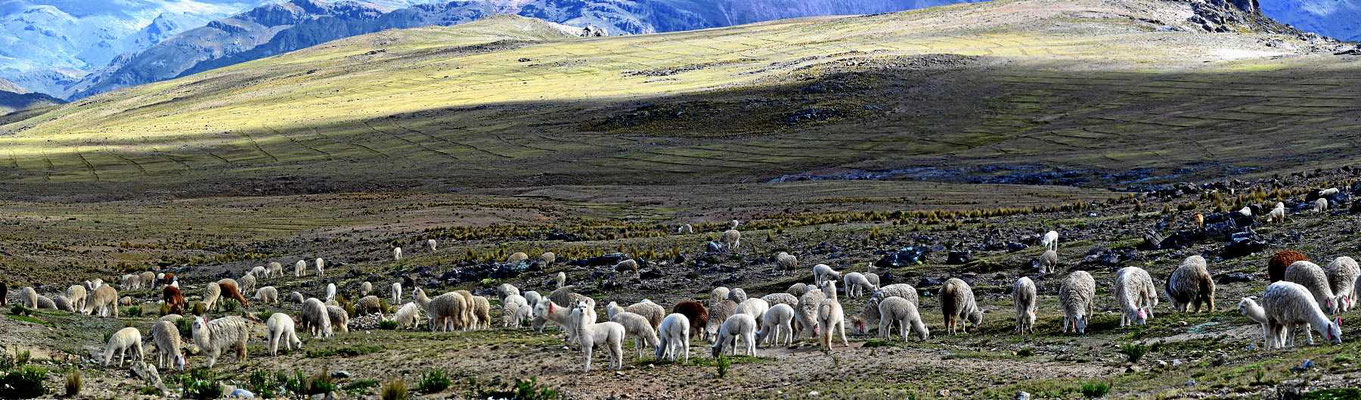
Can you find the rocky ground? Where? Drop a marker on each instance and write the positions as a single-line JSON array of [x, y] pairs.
[[1186, 355]]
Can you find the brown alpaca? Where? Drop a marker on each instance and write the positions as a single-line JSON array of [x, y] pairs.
[[698, 315], [175, 299], [1275, 268], [230, 291]]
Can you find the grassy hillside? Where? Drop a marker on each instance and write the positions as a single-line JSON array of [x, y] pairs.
[[1039, 91]]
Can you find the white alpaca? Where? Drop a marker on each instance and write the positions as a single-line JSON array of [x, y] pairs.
[[777, 323], [609, 334], [1050, 240], [122, 342], [736, 326], [674, 336], [280, 331], [1287, 305]]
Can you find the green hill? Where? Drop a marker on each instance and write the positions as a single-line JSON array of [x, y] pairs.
[[1036, 91]]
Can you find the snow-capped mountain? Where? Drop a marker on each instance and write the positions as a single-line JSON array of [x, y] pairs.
[[44, 44], [1340, 19]]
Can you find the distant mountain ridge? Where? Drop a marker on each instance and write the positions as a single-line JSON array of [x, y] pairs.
[[14, 98], [170, 46]]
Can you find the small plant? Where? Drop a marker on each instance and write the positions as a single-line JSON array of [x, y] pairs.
[[1259, 375], [186, 327], [263, 384], [263, 315], [1025, 352], [296, 384], [73, 383], [22, 358], [434, 381], [23, 383], [1133, 351], [19, 309], [387, 324], [394, 390], [1093, 390], [201, 384], [198, 309], [228, 306], [323, 383], [134, 311], [723, 364], [360, 387]]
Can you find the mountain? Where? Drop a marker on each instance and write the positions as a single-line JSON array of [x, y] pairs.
[[266, 31], [47, 44], [1071, 92], [14, 98], [1340, 19]]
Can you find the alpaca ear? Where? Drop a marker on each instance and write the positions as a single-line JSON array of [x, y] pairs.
[[1338, 322]]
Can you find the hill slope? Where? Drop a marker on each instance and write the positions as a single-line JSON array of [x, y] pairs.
[[14, 98], [1036, 91]]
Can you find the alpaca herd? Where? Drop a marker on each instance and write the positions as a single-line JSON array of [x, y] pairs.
[[1302, 296]]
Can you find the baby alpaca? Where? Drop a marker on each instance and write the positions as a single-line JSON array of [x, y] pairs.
[[737, 325], [280, 330], [122, 342], [609, 334]]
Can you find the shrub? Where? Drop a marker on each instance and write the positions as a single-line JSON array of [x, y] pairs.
[[1094, 390], [263, 384], [1133, 351], [228, 305], [23, 383], [1025, 352], [434, 381], [73, 383], [323, 383], [724, 363], [201, 384], [134, 311], [394, 390], [186, 327], [21, 358], [19, 309], [387, 324], [199, 309]]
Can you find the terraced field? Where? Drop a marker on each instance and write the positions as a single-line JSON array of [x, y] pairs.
[[1088, 93]]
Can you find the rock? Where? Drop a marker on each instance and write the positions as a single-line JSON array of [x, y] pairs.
[[1013, 247], [910, 255], [147, 373], [1190, 382], [1233, 277], [813, 393], [714, 247], [1161, 364], [959, 257], [929, 282], [1244, 243], [240, 393], [1022, 395], [1132, 369], [1176, 362], [342, 374], [1304, 366]]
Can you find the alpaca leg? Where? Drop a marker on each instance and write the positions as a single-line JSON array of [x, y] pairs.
[[841, 327]]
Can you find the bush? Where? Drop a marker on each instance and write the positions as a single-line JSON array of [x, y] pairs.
[[186, 327], [434, 381], [724, 363], [394, 390], [201, 384], [1133, 351], [323, 383], [23, 383], [198, 309], [228, 305], [19, 309], [73, 383], [387, 324], [1025, 352], [1094, 390], [263, 384], [134, 311]]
